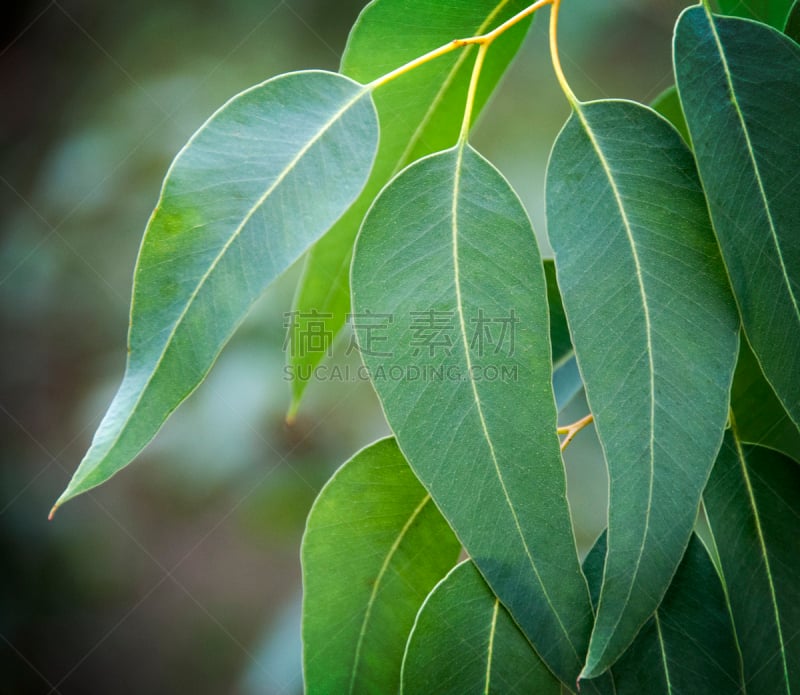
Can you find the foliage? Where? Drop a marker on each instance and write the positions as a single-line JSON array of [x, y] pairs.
[[672, 301]]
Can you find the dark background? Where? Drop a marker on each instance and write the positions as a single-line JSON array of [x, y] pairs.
[[182, 574]]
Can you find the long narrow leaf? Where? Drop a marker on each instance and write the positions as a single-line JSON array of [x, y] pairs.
[[259, 183], [447, 279], [738, 82], [655, 333]]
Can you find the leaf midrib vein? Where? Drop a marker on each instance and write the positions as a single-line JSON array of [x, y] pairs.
[[490, 650], [648, 329], [762, 546], [376, 586], [662, 648], [476, 397]]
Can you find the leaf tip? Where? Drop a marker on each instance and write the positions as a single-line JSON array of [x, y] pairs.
[[589, 671], [53, 512]]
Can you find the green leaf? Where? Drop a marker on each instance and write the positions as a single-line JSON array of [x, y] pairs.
[[771, 12], [688, 646], [753, 506], [259, 183], [374, 547], [792, 26], [655, 333], [566, 376], [668, 104], [420, 113], [738, 82], [559, 329], [449, 241], [465, 642], [760, 416]]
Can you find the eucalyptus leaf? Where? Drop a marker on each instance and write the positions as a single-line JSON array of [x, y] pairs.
[[760, 416], [374, 546], [420, 113], [464, 641], [655, 333], [559, 329], [447, 259], [753, 506], [688, 646], [566, 375], [738, 82], [253, 188]]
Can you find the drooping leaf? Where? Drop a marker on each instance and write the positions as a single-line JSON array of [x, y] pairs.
[[753, 506], [772, 12], [447, 279], [738, 82], [668, 104], [420, 113], [465, 642], [655, 333], [760, 417], [792, 26], [259, 183], [688, 646], [374, 546]]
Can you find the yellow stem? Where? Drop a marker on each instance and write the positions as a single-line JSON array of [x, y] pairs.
[[473, 88], [562, 80], [505, 26], [573, 429], [482, 40], [408, 67]]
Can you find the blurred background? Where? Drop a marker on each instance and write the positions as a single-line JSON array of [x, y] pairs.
[[182, 574]]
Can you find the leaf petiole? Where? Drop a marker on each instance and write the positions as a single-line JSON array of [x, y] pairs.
[[562, 80]]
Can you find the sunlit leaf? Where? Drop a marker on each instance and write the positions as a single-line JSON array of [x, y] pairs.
[[259, 183], [739, 82], [655, 333], [465, 642], [419, 113], [445, 261], [753, 507], [374, 546]]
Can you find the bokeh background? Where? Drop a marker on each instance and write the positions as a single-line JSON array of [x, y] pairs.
[[182, 574]]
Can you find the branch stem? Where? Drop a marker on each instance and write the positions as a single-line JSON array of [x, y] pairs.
[[571, 430], [483, 40]]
